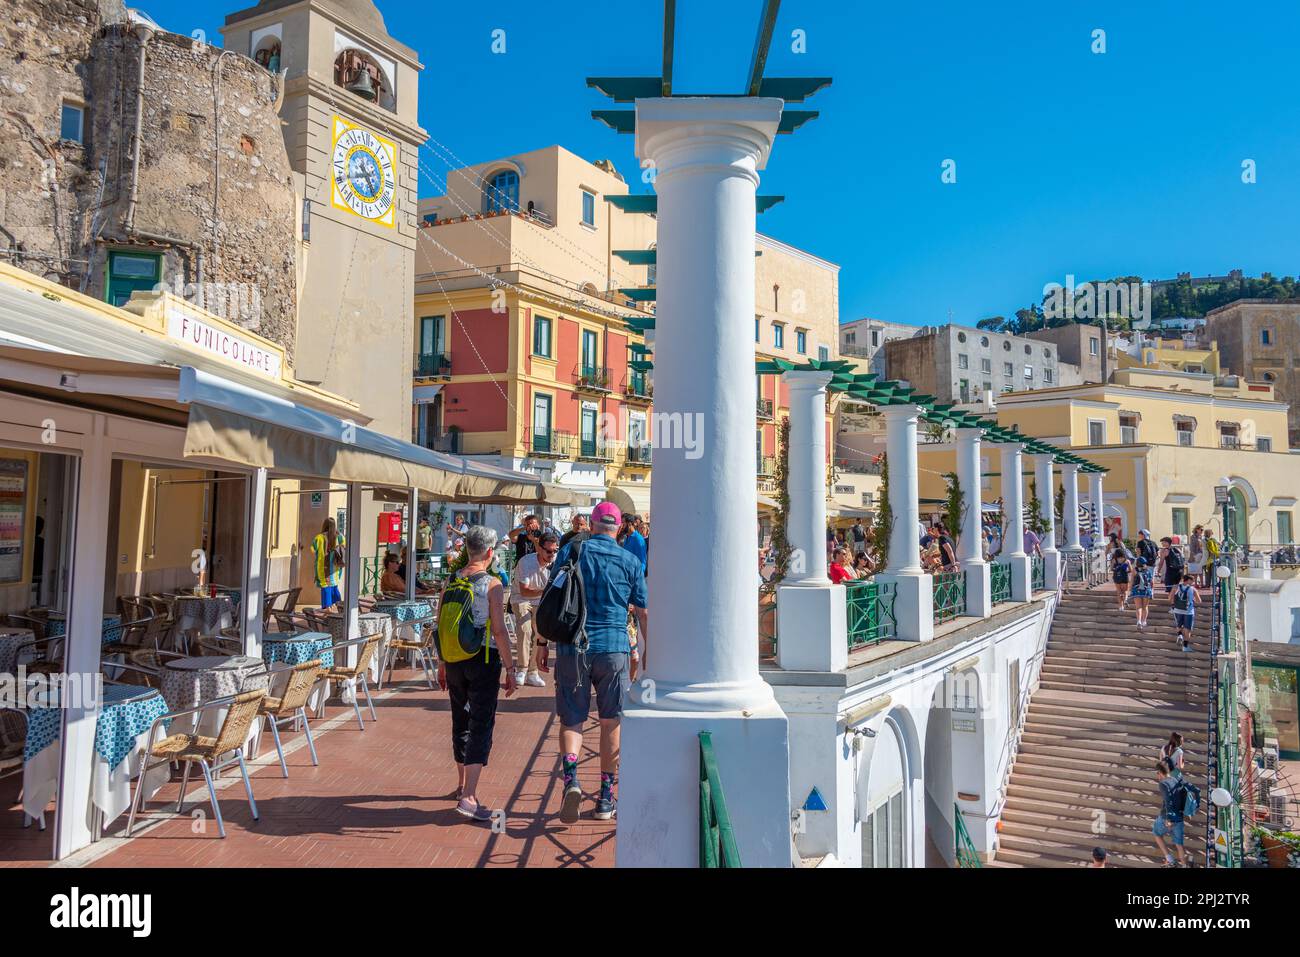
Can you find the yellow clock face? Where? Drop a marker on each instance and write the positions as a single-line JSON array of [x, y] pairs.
[[363, 177]]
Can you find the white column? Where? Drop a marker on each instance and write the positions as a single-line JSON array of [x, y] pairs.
[[914, 588], [72, 819], [1098, 502], [704, 628], [812, 630], [254, 585], [970, 552], [352, 574], [1013, 546], [1043, 464], [412, 508], [1070, 480]]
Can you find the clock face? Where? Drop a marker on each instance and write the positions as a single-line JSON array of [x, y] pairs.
[[363, 173]]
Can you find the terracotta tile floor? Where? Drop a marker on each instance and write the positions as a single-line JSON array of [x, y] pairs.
[[379, 798]]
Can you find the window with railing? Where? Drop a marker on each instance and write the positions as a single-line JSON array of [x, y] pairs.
[[766, 465], [637, 384], [949, 596], [593, 377], [765, 408], [433, 364], [639, 454], [1000, 582]]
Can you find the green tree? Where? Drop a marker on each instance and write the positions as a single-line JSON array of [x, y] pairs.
[[780, 539], [884, 519], [954, 506], [1037, 524]]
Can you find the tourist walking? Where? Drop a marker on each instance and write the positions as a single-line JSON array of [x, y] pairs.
[[1211, 556], [1146, 548], [527, 582], [1121, 570], [1169, 821], [1098, 857], [328, 550], [1183, 600], [1171, 566], [1172, 754], [1140, 591], [631, 539], [859, 536], [604, 658], [473, 644], [1032, 543], [1196, 553]]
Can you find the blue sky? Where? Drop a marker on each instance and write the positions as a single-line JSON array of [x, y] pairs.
[[1067, 161]]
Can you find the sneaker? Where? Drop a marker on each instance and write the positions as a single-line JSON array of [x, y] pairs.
[[535, 680], [606, 807], [475, 812], [572, 798], [519, 677]]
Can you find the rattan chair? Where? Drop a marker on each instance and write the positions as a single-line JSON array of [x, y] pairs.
[[211, 646], [137, 633], [41, 657], [206, 752], [427, 629], [356, 673], [291, 706], [289, 622], [36, 625]]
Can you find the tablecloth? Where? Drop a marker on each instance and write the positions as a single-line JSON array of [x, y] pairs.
[[208, 615], [10, 640], [190, 682], [111, 627], [126, 714], [294, 649]]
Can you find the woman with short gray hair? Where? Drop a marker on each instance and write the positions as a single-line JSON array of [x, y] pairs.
[[473, 681]]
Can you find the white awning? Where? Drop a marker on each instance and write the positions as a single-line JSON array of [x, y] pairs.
[[424, 394], [631, 497]]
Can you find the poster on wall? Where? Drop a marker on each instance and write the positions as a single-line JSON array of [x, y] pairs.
[[13, 510]]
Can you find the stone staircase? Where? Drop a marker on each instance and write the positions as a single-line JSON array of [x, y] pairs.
[[1108, 698]]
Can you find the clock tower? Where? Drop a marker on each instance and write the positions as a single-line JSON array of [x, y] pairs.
[[350, 125]]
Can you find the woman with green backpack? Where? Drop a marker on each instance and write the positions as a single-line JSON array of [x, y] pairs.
[[472, 644]]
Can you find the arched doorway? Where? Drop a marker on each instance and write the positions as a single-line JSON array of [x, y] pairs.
[[1238, 524]]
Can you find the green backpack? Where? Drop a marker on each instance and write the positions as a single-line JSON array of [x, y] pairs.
[[459, 639]]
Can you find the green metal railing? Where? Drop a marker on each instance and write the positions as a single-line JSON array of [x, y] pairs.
[[433, 364], [1000, 577], [717, 841], [1037, 574], [967, 856], [870, 612], [949, 596]]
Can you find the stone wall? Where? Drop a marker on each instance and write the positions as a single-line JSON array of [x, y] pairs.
[[215, 195]]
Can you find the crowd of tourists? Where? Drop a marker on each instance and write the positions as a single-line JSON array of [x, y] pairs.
[[606, 556], [1148, 567]]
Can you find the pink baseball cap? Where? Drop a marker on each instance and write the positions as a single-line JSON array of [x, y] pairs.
[[607, 513]]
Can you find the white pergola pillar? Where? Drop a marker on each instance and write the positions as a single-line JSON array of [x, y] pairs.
[[703, 673], [254, 585], [84, 630], [1043, 464], [812, 628], [970, 552], [1097, 501], [1013, 508], [1070, 510], [914, 588]]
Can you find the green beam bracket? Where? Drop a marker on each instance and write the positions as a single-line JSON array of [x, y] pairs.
[[639, 294], [636, 257]]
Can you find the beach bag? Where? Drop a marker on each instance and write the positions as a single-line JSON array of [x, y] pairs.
[[561, 615], [1191, 798], [459, 638]]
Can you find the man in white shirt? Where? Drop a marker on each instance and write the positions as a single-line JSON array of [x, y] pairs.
[[527, 582]]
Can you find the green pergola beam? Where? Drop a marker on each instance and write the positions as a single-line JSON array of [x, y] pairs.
[[639, 293], [762, 44], [649, 202], [641, 365], [636, 257]]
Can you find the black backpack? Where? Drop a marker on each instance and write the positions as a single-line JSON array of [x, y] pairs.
[[1174, 562], [561, 615], [1147, 549]]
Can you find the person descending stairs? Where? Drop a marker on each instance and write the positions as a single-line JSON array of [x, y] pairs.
[[1109, 696]]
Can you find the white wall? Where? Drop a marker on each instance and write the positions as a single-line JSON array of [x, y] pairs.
[[1272, 609]]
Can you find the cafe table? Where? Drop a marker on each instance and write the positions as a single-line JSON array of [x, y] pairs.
[[207, 613], [189, 682], [295, 648], [110, 628], [125, 713]]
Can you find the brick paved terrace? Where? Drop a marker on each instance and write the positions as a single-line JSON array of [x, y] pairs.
[[382, 797]]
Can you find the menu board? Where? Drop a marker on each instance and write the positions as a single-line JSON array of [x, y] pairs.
[[13, 510]]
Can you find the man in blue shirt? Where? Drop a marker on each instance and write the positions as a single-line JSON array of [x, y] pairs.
[[633, 540], [613, 582]]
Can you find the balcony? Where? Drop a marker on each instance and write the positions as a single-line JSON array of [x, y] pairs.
[[592, 379], [550, 444], [433, 365], [766, 466], [639, 454], [637, 389], [765, 409], [594, 450], [1230, 442], [450, 442]]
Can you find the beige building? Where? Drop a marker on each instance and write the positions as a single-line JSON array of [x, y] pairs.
[[1168, 440], [1260, 339]]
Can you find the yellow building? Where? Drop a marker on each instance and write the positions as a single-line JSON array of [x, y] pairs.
[[1173, 355], [1168, 439]]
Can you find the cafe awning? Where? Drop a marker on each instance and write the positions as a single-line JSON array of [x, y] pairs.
[[631, 497]]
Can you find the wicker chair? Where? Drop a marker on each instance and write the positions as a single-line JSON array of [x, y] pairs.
[[214, 647], [143, 667], [41, 657], [33, 623], [291, 706], [137, 633], [357, 673], [289, 622], [427, 629], [206, 752]]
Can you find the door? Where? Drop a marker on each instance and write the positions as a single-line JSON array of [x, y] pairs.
[[541, 423], [1238, 518], [129, 272], [589, 353], [588, 431]]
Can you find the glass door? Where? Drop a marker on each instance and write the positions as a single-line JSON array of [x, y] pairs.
[[541, 423], [588, 431]]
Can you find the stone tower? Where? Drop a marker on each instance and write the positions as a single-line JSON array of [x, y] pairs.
[[351, 130]]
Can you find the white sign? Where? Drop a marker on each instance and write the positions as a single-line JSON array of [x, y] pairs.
[[218, 342], [1220, 495], [317, 499]]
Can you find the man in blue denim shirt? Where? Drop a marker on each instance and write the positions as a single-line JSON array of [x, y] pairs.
[[613, 582]]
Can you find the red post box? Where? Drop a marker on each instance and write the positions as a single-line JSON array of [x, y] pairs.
[[390, 528]]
